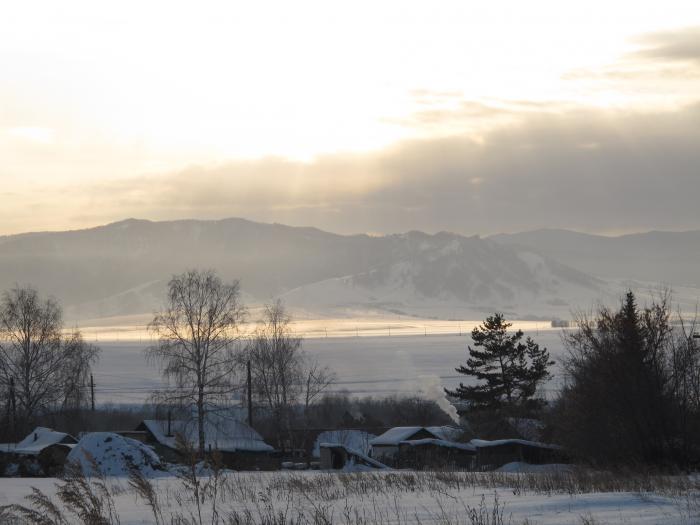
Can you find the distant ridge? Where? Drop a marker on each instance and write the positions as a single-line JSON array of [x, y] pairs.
[[664, 257], [122, 267]]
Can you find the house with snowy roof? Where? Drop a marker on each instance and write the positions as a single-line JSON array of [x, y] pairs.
[[436, 453], [493, 454], [239, 445], [387, 447], [42, 452]]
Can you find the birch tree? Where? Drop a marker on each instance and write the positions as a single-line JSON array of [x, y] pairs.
[[197, 331]]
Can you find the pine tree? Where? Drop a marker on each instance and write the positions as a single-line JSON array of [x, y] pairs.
[[508, 369]]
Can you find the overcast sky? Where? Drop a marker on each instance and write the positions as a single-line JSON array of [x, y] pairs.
[[474, 117]]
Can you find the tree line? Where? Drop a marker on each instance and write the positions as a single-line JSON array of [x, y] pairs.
[[41, 367], [631, 390], [630, 395]]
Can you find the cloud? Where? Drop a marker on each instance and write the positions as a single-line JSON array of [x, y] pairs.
[[589, 170], [665, 62], [681, 45]]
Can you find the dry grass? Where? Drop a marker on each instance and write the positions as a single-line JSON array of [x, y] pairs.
[[225, 498]]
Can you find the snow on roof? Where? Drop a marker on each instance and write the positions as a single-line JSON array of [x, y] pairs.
[[482, 443], [357, 454], [448, 433], [39, 439], [228, 435], [354, 439], [394, 436], [439, 443]]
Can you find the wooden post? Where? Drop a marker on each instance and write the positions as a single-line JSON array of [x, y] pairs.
[[92, 392], [13, 407], [250, 397]]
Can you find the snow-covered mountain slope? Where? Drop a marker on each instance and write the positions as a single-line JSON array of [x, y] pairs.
[[122, 268], [449, 274]]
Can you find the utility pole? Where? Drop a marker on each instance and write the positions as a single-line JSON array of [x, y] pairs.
[[92, 392], [13, 407], [250, 397]]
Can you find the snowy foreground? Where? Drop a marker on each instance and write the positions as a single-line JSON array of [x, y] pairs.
[[397, 497]]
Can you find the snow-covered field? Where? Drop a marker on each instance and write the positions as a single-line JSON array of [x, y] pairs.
[[365, 364], [394, 497]]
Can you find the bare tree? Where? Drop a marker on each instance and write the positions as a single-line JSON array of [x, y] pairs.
[[318, 380], [45, 369], [275, 356], [283, 375], [78, 358], [197, 331]]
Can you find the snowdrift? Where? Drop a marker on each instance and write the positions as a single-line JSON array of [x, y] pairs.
[[114, 455]]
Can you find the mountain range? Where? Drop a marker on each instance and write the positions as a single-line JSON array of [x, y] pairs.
[[122, 268]]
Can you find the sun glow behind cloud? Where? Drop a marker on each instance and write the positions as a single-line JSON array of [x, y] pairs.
[[94, 92]]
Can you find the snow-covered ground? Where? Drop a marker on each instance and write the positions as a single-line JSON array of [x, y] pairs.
[[365, 364], [403, 497]]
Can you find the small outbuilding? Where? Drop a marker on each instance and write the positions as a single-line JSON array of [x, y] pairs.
[[336, 456], [354, 439]]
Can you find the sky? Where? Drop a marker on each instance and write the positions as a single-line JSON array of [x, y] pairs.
[[380, 117]]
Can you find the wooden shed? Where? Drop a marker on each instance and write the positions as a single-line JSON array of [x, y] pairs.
[[336, 456]]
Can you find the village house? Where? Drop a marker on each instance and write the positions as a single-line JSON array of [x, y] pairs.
[[240, 446], [42, 452], [436, 453], [491, 455], [386, 447], [437, 447]]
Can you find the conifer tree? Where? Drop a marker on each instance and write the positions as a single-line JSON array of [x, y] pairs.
[[508, 369]]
